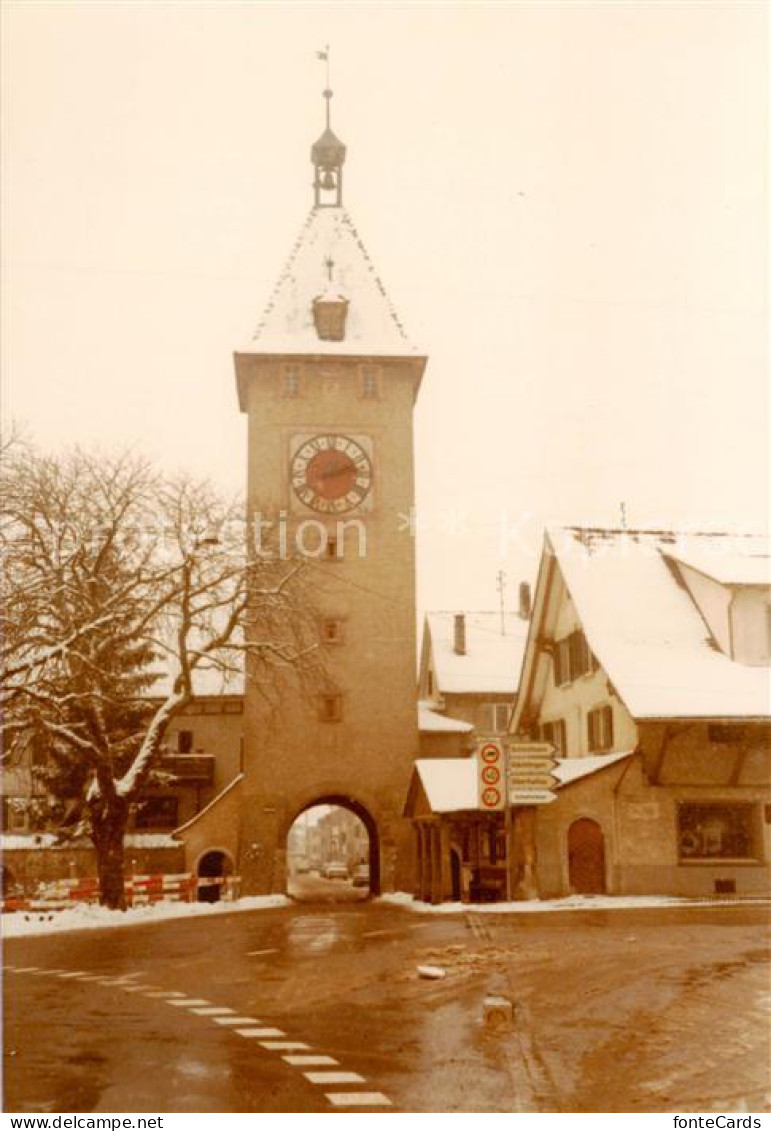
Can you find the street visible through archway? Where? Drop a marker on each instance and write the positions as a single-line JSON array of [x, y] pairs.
[[329, 856]]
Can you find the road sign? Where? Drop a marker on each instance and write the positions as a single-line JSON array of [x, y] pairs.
[[491, 773], [530, 776]]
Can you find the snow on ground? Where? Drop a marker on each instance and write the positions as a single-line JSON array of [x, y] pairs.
[[568, 903], [91, 917]]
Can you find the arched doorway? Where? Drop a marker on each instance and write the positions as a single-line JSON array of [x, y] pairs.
[[213, 866], [586, 857], [333, 852]]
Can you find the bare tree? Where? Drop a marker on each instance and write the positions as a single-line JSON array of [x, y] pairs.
[[114, 576]]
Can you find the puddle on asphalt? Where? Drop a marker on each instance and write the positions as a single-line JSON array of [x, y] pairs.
[[313, 934]]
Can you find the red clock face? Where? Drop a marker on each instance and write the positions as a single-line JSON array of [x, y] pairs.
[[331, 474]]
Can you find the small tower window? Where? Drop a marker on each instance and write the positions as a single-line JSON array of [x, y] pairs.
[[369, 383], [292, 384], [333, 548], [330, 708], [332, 630]]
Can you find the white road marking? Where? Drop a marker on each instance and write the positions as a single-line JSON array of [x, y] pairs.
[[90, 978], [186, 1002], [280, 1046], [307, 1061], [69, 974], [236, 1020], [166, 994], [334, 1077], [256, 953], [260, 1032], [26, 969], [358, 1099], [377, 934], [213, 1011], [139, 989]]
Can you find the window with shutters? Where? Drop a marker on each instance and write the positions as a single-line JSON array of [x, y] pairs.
[[332, 630], [600, 729], [330, 708], [572, 658], [555, 732]]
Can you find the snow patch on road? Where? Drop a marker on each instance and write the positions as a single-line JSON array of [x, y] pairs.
[[568, 903], [88, 917]]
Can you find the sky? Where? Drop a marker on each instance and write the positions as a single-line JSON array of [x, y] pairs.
[[567, 204]]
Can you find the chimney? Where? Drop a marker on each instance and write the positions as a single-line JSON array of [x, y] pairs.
[[460, 634], [525, 600]]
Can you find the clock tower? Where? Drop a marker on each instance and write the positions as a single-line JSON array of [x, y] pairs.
[[328, 384]]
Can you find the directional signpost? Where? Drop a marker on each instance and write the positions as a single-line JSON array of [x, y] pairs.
[[530, 775], [510, 775]]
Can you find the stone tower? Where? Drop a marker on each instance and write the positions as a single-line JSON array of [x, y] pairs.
[[329, 384]]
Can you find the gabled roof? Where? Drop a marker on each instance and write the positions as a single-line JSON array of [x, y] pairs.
[[373, 327], [492, 660], [643, 625]]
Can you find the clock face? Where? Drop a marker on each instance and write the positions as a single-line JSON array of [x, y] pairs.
[[330, 473]]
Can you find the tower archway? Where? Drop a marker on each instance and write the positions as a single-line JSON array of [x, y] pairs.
[[333, 851]]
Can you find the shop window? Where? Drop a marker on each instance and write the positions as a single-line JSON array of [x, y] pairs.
[[715, 832], [185, 742], [157, 813], [600, 729], [555, 732]]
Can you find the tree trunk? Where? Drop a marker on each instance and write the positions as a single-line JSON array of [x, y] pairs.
[[110, 866]]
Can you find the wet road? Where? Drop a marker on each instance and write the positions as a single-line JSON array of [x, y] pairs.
[[645, 1010]]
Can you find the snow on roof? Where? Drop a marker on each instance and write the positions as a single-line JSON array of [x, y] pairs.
[[570, 770], [372, 327], [646, 631], [450, 784], [432, 722], [742, 560], [492, 661], [207, 683]]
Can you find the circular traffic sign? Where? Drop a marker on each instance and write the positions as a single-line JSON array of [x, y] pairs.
[[491, 797], [491, 775], [490, 752]]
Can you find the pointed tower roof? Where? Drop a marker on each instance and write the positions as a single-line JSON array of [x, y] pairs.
[[329, 299], [329, 257]]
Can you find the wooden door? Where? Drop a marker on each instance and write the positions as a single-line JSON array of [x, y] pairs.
[[586, 857]]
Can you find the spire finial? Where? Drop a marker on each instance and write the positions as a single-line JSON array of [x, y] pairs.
[[327, 92], [328, 154]]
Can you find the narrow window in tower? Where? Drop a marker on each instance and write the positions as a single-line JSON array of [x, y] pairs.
[[332, 630], [292, 385], [369, 382], [330, 708], [333, 548]]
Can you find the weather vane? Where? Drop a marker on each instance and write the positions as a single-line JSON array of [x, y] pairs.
[[324, 56]]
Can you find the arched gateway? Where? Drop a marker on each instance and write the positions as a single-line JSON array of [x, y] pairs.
[[346, 855], [329, 384]]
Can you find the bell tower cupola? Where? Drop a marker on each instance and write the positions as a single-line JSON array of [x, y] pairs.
[[328, 157]]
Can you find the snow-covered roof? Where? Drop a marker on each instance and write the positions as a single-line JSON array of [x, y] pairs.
[[207, 683], [744, 560], [569, 770], [372, 328], [450, 784], [432, 722], [492, 660], [645, 629]]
